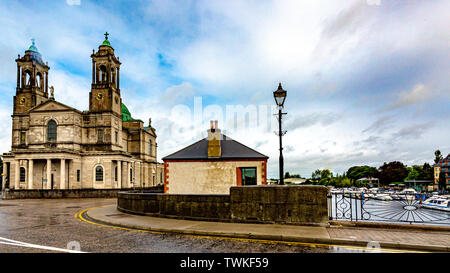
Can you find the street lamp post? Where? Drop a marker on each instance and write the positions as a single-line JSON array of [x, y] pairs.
[[280, 96]]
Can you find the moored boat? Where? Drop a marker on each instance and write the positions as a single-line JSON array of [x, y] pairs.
[[437, 202]]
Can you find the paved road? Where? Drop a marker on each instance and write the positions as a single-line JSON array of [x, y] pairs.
[[51, 223]]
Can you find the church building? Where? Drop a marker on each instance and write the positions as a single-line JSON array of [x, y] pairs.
[[55, 146]]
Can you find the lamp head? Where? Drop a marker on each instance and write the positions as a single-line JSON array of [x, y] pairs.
[[280, 95]]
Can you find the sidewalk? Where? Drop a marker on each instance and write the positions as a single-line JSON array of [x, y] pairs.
[[356, 236]]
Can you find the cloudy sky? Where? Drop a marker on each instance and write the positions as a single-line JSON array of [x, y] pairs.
[[368, 81]]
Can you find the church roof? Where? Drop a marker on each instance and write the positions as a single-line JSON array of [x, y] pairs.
[[34, 54], [231, 149], [106, 42], [32, 47], [126, 115]]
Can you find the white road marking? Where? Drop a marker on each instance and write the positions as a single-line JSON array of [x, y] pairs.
[[7, 241]]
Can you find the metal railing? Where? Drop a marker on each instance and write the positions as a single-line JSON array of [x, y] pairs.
[[396, 208]]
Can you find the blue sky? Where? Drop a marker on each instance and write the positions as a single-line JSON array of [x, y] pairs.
[[367, 80]]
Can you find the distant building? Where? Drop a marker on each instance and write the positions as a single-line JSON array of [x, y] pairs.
[[443, 165], [294, 180], [272, 181], [419, 185], [213, 165], [370, 180]]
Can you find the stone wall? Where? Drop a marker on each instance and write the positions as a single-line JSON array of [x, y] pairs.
[[257, 204], [186, 206], [69, 193], [279, 204]]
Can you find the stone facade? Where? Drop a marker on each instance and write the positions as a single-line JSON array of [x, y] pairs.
[[55, 146]]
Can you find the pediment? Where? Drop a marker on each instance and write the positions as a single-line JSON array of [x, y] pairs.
[[52, 105]]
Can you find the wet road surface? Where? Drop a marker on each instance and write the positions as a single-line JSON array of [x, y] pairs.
[[51, 223]]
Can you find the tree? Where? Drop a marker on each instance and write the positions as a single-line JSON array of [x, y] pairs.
[[437, 156], [323, 176], [288, 175], [414, 173], [427, 172], [357, 172], [346, 182], [392, 172], [442, 181], [316, 175]]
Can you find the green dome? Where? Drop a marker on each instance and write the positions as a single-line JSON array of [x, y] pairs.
[[33, 47], [126, 115], [106, 42]]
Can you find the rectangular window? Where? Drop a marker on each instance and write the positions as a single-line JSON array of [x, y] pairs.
[[78, 175], [116, 136], [22, 137], [150, 147], [248, 176], [100, 135], [22, 174]]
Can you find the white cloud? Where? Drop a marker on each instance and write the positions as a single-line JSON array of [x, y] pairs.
[[237, 51], [418, 94]]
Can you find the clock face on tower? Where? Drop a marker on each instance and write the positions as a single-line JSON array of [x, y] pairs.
[[99, 96], [22, 100]]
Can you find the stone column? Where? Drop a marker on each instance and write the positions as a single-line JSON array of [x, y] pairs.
[[125, 172], [18, 76], [118, 77], [5, 175], [17, 175], [133, 176], [30, 174], [46, 83], [63, 175], [93, 72], [138, 174], [49, 174], [119, 174]]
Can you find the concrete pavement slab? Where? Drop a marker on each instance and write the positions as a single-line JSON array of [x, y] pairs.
[[110, 215]]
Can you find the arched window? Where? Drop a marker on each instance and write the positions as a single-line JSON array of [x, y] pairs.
[[27, 78], [150, 147], [22, 174], [113, 75], [51, 130], [99, 174], [102, 74], [38, 80]]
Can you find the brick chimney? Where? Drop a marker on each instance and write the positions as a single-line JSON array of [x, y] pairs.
[[214, 136]]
